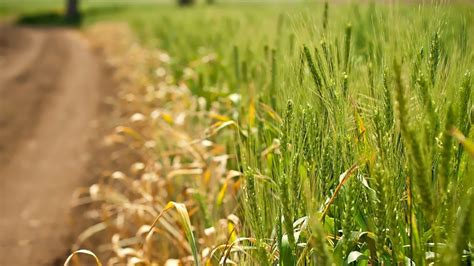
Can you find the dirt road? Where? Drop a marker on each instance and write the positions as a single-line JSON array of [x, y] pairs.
[[50, 92]]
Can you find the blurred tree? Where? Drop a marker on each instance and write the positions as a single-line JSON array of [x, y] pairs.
[[71, 9], [185, 2]]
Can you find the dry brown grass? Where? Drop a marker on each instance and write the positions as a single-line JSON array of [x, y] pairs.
[[169, 130]]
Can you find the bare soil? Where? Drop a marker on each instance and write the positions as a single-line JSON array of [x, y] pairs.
[[52, 88]]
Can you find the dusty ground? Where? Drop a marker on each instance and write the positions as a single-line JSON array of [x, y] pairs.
[[51, 86]]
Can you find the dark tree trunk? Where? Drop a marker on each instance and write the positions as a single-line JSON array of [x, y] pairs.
[[71, 9], [185, 2]]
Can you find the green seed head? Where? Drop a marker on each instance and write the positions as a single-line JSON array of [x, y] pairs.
[[472, 114]]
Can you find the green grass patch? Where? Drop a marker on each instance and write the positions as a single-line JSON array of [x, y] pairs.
[[368, 96]]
